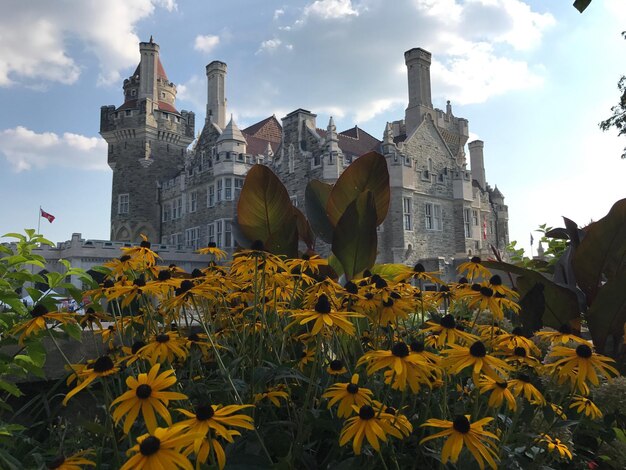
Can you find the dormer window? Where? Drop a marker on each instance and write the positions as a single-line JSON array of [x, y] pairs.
[[128, 112], [133, 92]]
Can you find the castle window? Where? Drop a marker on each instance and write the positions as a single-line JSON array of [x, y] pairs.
[[238, 187], [211, 233], [228, 193], [123, 203], [211, 196], [466, 223], [220, 184], [166, 116], [433, 220], [219, 229], [128, 112], [406, 212], [407, 161], [475, 217], [294, 200], [193, 201], [162, 94], [177, 118], [177, 209], [228, 234], [167, 207], [177, 240], [240, 157], [133, 92], [317, 161], [192, 237]]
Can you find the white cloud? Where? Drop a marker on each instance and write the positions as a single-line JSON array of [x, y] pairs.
[[34, 47], [193, 92], [25, 149], [327, 9], [278, 13], [206, 43], [270, 46]]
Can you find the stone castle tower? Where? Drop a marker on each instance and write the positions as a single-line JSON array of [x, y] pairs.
[[147, 139]]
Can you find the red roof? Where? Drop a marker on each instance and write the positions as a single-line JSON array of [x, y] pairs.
[[160, 70], [268, 129], [257, 145], [163, 106], [355, 141]]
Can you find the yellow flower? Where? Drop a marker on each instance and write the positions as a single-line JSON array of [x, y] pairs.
[[146, 395], [473, 269], [336, 367], [522, 386], [214, 251], [586, 406], [216, 417], [74, 462], [419, 273], [142, 255], [273, 395], [325, 318], [164, 346], [447, 332], [372, 424], [161, 450], [308, 263], [101, 367], [555, 445], [519, 356], [348, 395], [499, 393], [579, 365], [460, 357], [482, 297], [515, 339], [563, 335], [38, 322], [461, 432]]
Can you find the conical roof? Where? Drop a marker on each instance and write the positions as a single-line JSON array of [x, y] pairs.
[[231, 132]]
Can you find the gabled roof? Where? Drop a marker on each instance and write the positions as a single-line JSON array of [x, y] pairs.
[[356, 141], [160, 70], [258, 146], [268, 129]]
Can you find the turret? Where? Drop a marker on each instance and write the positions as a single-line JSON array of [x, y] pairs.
[[418, 69], [216, 93], [477, 162], [148, 67], [231, 140]]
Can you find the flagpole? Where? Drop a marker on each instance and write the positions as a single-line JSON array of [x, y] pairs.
[[39, 222]]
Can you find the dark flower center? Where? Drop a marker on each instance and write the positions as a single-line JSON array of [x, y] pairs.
[[108, 284], [478, 349], [448, 321], [400, 350], [57, 462], [391, 410], [444, 289], [476, 287], [419, 268], [137, 345], [476, 259], [584, 351], [336, 365], [519, 351], [305, 257], [395, 295], [212, 245], [486, 291], [145, 244], [193, 337], [463, 280], [204, 412], [366, 412], [517, 331], [257, 245], [149, 446], [502, 385], [124, 258], [143, 391], [164, 275], [196, 273], [523, 378], [565, 329], [38, 310], [322, 305], [352, 388], [380, 283], [162, 338], [351, 288], [495, 280], [103, 364], [388, 303], [417, 346], [369, 296], [140, 281], [461, 424], [184, 287]]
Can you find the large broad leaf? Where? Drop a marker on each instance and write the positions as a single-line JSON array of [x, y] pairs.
[[560, 304], [305, 233], [602, 252], [367, 173], [355, 239], [284, 241], [315, 201], [607, 314], [264, 207]]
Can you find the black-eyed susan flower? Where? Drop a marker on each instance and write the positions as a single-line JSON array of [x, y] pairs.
[[458, 358], [274, 395], [520, 357], [38, 321], [406, 368], [142, 255], [447, 332], [214, 251], [101, 367], [461, 432], [147, 395], [325, 318], [584, 405], [91, 318], [161, 449], [371, 424], [418, 272], [563, 335], [516, 339], [580, 365], [555, 445], [218, 418], [485, 299], [307, 263], [473, 269], [119, 266], [499, 392], [336, 367], [164, 346], [557, 410], [73, 462], [348, 395], [522, 386], [393, 309]]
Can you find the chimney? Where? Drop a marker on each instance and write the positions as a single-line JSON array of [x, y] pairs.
[[148, 70], [418, 69], [477, 162], [216, 93]]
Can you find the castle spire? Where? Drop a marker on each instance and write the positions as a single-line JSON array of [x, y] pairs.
[[388, 134]]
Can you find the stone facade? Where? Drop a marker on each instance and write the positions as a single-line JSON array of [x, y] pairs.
[[440, 210]]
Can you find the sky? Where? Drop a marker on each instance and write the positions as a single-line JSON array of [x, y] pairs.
[[534, 79]]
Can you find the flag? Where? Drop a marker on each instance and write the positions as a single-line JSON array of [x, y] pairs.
[[45, 215], [532, 240], [485, 228]]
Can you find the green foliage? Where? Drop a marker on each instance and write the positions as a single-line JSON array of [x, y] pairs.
[[618, 118]]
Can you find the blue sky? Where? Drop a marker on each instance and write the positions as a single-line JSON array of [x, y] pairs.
[[533, 78]]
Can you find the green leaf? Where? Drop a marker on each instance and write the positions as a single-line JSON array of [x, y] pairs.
[[264, 207], [284, 240], [607, 314], [73, 330], [305, 233], [37, 353], [10, 388], [367, 173], [602, 252], [388, 271], [315, 201], [581, 5], [355, 239]]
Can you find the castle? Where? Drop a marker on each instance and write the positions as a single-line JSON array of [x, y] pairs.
[[439, 209]]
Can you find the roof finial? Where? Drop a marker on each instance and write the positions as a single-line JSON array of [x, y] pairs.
[[151, 41]]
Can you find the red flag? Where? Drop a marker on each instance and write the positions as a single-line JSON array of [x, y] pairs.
[[45, 215], [485, 228]]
